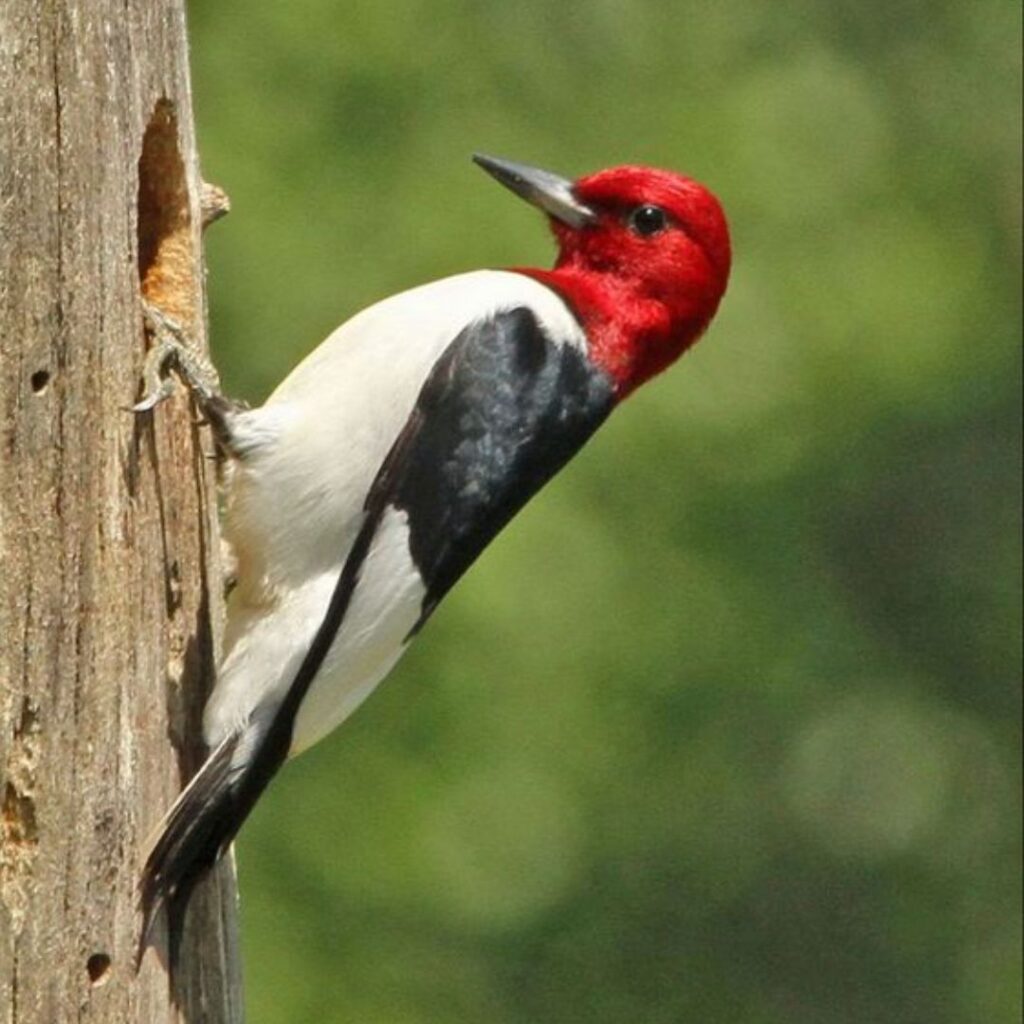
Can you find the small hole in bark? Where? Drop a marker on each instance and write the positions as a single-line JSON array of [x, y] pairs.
[[18, 827], [98, 966], [39, 381]]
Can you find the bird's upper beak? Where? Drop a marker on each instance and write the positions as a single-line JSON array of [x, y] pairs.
[[550, 192]]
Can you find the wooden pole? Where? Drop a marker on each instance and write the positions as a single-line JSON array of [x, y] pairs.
[[110, 597]]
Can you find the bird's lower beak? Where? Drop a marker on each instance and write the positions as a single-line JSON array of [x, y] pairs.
[[548, 191]]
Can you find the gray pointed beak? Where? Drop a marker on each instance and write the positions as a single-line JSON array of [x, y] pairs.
[[548, 191]]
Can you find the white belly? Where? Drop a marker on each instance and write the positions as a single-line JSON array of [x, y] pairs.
[[265, 647]]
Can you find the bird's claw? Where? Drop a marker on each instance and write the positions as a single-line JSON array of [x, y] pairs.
[[154, 396], [171, 351]]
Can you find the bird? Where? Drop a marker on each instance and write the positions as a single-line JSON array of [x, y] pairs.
[[383, 465]]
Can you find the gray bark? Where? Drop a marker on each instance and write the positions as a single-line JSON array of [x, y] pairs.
[[109, 582]]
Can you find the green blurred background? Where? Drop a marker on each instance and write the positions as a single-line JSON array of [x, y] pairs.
[[724, 728]]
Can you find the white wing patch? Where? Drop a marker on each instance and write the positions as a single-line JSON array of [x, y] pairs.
[[385, 607]]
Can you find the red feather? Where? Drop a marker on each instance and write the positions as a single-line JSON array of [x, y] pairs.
[[643, 301]]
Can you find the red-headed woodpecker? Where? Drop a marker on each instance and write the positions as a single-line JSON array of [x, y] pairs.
[[393, 454]]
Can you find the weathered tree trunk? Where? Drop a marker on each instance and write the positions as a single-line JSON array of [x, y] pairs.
[[109, 584]]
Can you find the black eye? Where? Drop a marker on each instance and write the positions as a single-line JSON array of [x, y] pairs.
[[648, 220]]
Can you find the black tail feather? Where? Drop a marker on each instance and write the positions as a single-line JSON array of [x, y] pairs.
[[195, 832]]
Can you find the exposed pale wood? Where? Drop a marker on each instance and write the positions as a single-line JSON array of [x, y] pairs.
[[109, 583]]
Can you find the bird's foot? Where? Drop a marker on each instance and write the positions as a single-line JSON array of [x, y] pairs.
[[171, 350]]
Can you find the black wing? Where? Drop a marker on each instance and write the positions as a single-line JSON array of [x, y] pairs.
[[505, 408]]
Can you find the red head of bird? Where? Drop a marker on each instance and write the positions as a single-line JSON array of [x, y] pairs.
[[643, 260]]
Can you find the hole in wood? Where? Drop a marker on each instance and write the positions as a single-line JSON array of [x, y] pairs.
[[17, 819], [39, 381], [98, 966], [166, 255]]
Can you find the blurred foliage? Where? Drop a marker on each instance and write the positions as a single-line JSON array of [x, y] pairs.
[[725, 726]]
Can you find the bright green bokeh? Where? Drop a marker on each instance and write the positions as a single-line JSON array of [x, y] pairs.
[[724, 727]]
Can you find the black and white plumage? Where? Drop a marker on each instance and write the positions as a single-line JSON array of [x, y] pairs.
[[385, 463], [383, 455], [355, 508]]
